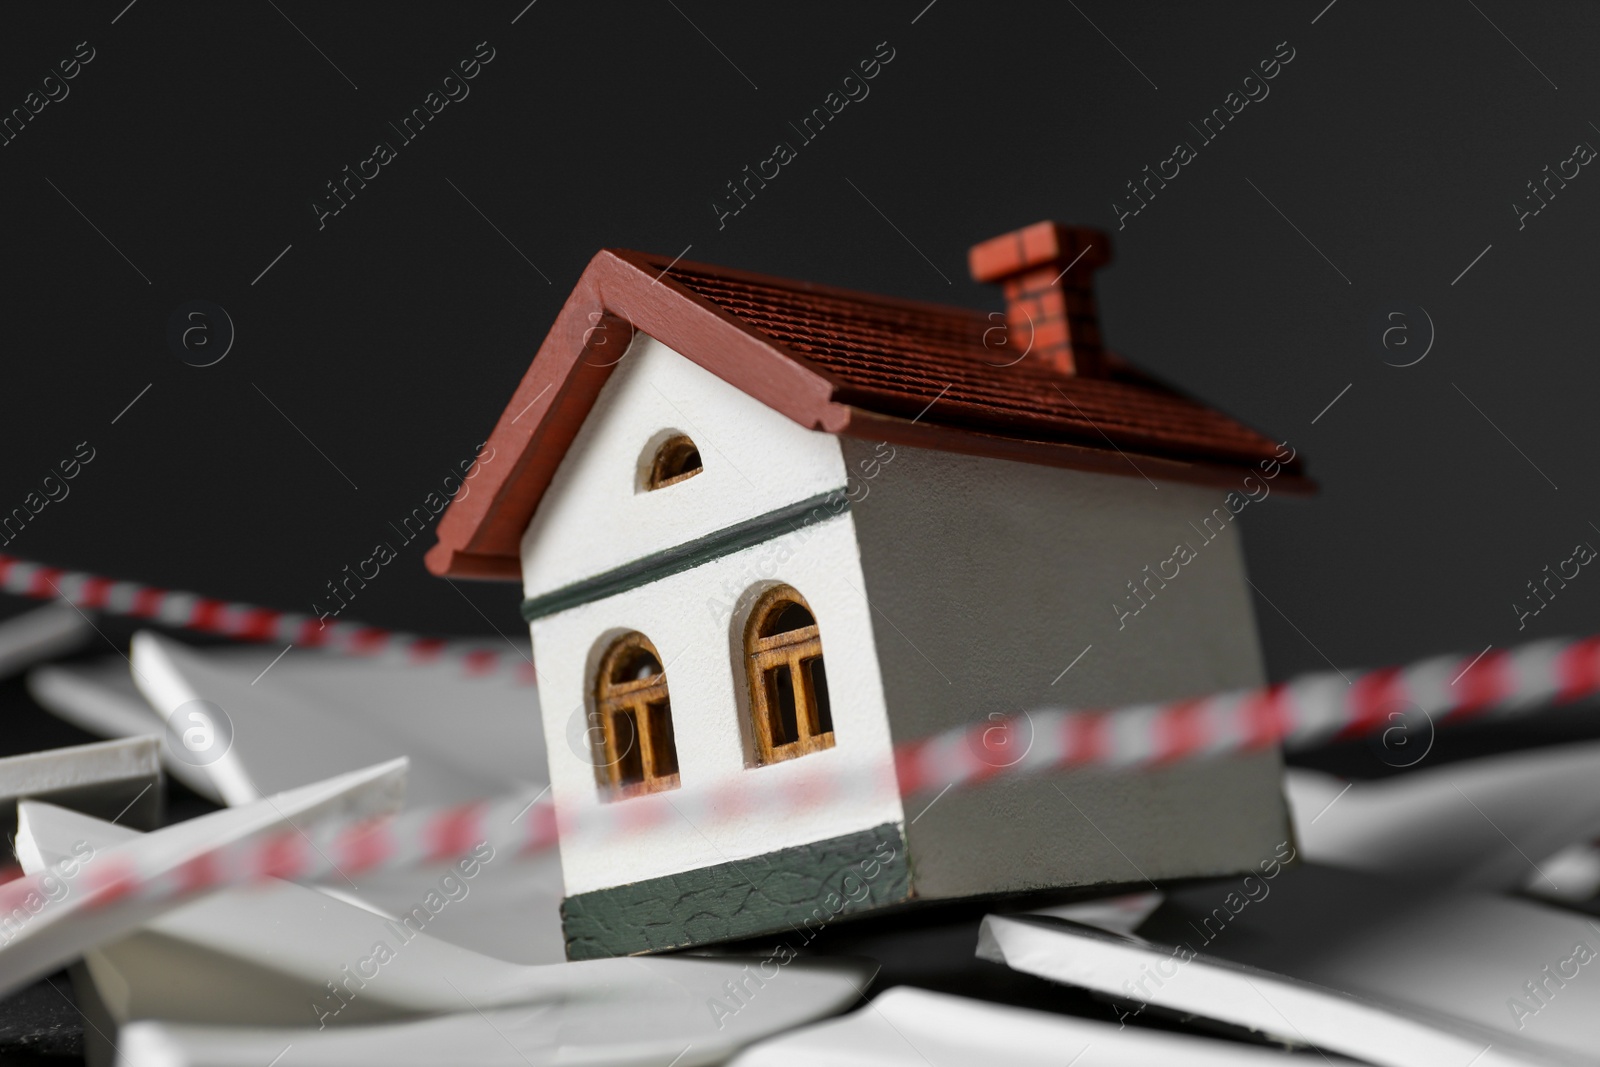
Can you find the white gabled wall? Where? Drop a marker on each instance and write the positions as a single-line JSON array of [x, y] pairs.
[[988, 578], [594, 518], [596, 514]]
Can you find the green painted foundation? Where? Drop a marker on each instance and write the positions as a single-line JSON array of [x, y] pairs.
[[798, 890]]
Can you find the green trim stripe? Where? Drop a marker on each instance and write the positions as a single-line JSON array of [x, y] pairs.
[[689, 555]]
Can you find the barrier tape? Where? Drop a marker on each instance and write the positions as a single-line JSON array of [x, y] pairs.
[[249, 622], [1300, 713]]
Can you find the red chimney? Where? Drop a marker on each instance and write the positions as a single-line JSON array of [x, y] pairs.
[[1047, 271]]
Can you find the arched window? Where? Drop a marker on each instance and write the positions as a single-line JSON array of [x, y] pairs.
[[788, 686], [676, 460], [641, 754]]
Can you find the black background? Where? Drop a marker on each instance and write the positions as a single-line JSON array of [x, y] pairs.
[[379, 350], [1396, 140]]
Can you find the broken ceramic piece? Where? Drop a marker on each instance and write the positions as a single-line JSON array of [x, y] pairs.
[[1571, 876], [1117, 915], [466, 738], [516, 916], [1370, 967], [100, 698], [648, 1012], [282, 954], [119, 780], [1477, 824], [516, 905], [40, 634], [54, 926], [909, 1027]]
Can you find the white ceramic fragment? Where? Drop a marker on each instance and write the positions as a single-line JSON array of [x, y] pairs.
[[174, 700], [1349, 962], [311, 714], [100, 698], [1571, 876], [633, 1012], [264, 955], [909, 1027], [486, 727], [61, 929], [1117, 915], [515, 913], [1477, 824], [114, 779], [45, 632]]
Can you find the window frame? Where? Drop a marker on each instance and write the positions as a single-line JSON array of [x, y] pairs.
[[675, 447], [794, 649], [639, 700]]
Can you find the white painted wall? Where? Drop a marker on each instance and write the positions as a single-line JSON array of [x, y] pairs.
[[594, 518], [989, 577], [596, 514], [702, 646]]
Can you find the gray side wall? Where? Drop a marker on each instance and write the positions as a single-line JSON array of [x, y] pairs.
[[986, 579]]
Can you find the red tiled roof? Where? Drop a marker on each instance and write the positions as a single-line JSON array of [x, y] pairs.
[[834, 360], [895, 358]]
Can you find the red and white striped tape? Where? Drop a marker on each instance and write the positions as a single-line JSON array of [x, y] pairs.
[[1300, 713], [1306, 711], [300, 853], [248, 622]]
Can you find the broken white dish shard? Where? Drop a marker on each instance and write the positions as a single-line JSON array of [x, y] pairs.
[[52, 630], [1117, 915], [1473, 824], [1571, 876], [515, 913], [625, 1011], [467, 738], [37, 940], [1370, 967], [909, 1027], [100, 698], [118, 780], [282, 954]]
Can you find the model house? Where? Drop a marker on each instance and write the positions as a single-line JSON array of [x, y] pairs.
[[765, 527]]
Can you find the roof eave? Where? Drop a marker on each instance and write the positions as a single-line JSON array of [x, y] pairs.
[[479, 535], [870, 425]]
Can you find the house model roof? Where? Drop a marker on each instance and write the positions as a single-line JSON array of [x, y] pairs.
[[1034, 388]]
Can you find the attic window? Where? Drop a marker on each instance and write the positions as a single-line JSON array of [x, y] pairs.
[[639, 752], [789, 702], [677, 460]]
